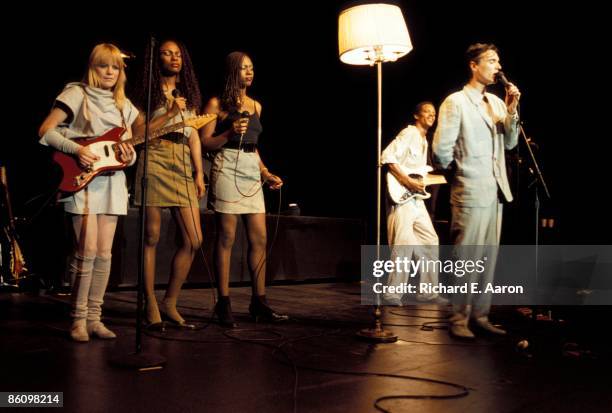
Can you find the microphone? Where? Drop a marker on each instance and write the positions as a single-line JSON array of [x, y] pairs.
[[243, 115], [500, 77], [177, 94]]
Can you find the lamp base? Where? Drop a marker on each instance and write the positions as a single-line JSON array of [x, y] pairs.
[[377, 334]]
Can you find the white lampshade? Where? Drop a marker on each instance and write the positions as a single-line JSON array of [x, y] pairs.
[[372, 32]]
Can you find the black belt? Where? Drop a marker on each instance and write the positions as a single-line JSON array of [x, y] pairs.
[[245, 147], [175, 137]]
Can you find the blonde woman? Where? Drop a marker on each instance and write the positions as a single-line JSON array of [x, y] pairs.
[[90, 108]]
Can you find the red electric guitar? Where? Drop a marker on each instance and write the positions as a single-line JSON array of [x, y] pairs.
[[106, 147]]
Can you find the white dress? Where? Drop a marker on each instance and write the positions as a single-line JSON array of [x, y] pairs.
[[94, 112]]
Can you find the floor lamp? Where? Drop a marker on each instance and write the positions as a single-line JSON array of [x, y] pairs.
[[371, 34]]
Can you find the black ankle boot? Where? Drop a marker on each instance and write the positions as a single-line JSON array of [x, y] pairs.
[[223, 311], [260, 311]]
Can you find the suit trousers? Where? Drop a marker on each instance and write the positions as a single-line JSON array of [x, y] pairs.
[[475, 232]]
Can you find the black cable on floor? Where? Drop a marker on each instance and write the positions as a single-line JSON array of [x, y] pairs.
[[464, 390], [235, 335]]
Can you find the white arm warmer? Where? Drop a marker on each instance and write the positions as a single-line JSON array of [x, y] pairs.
[[58, 141]]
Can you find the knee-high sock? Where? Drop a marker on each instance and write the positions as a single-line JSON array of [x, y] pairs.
[[80, 271], [99, 281]]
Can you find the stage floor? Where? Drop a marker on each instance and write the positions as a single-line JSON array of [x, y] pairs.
[[251, 369]]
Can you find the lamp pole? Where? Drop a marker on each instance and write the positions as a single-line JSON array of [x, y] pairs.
[[378, 155], [377, 333], [371, 34]]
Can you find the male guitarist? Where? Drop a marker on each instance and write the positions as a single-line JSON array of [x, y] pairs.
[[408, 224]]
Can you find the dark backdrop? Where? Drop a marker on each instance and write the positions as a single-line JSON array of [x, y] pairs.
[[319, 115]]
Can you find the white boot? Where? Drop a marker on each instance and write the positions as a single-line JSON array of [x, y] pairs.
[[99, 281], [80, 272], [78, 332], [98, 329]]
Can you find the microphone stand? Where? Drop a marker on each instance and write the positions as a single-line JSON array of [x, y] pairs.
[[141, 360], [538, 181]]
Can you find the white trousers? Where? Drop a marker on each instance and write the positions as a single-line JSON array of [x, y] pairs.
[[411, 233]]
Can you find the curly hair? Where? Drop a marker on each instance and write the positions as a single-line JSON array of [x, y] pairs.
[[187, 85]]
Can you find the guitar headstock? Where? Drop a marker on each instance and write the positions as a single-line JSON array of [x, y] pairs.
[[199, 121]]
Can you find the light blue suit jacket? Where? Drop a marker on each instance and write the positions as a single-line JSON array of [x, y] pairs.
[[467, 134]]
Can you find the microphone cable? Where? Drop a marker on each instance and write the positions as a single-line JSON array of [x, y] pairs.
[[211, 276]]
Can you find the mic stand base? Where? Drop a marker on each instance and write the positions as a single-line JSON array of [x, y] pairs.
[[139, 361]]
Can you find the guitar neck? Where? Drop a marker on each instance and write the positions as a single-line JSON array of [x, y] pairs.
[[156, 133]]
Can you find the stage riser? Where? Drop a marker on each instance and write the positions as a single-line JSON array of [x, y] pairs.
[[302, 248]]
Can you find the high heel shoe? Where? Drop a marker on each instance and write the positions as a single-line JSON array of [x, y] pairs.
[[176, 323], [223, 312], [261, 311], [169, 314], [147, 323], [154, 326]]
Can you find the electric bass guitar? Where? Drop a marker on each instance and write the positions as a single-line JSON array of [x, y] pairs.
[[399, 194], [106, 147]]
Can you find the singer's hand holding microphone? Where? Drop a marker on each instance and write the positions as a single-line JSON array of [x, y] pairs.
[[512, 92], [241, 124], [178, 105]]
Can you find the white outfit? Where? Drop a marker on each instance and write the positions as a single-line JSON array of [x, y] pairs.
[[94, 112], [409, 227], [91, 112], [474, 130]]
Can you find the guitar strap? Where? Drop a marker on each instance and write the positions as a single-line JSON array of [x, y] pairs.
[[85, 110], [123, 123]]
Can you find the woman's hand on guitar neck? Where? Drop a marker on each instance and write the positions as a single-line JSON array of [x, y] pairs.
[[127, 152]]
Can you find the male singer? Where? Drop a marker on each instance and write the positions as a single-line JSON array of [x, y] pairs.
[[473, 129]]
